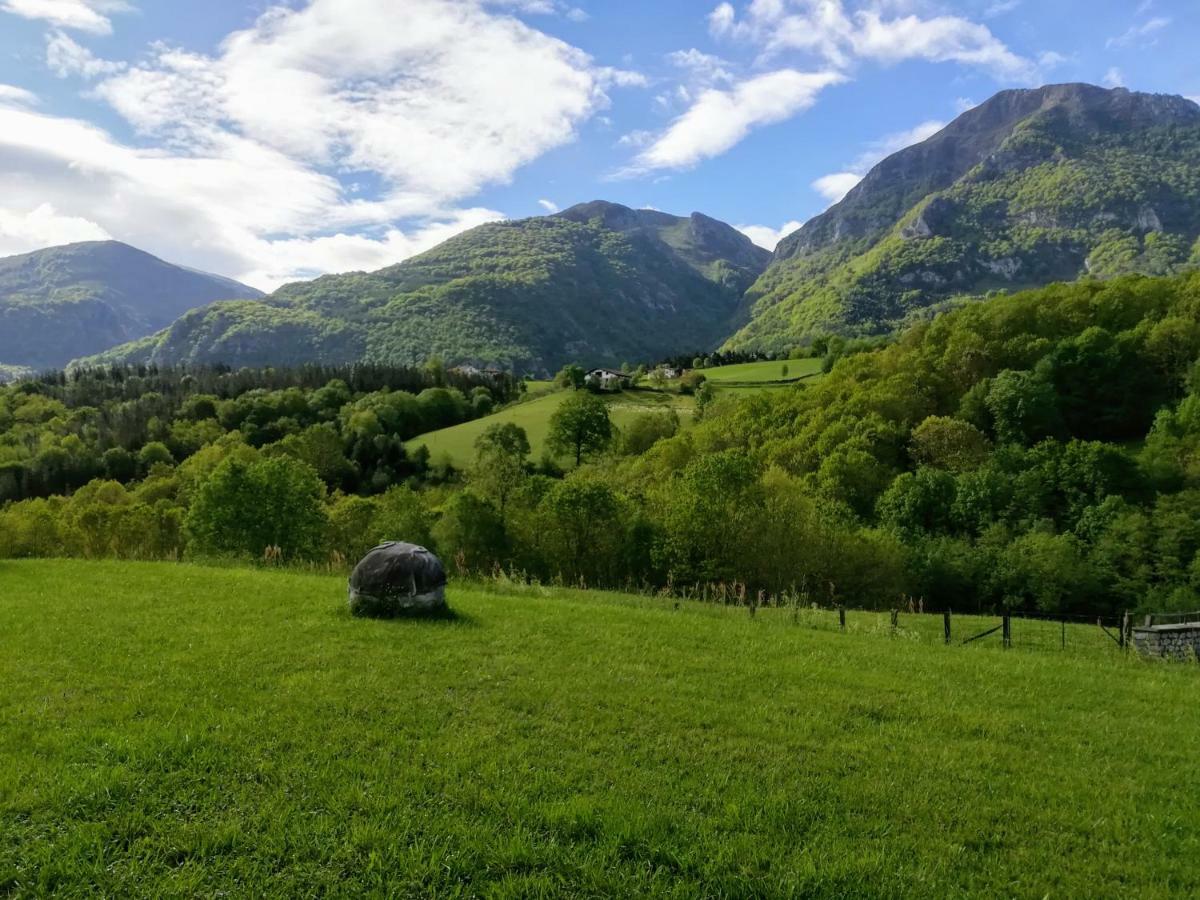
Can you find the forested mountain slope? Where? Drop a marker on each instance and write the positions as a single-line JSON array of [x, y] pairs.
[[1031, 187], [66, 302], [599, 283]]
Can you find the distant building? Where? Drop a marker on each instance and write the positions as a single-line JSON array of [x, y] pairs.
[[607, 380]]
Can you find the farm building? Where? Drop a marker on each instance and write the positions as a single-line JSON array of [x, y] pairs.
[[607, 380]]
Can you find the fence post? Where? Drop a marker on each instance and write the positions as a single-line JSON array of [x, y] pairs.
[[895, 619], [1007, 630], [842, 617], [1064, 634], [946, 624], [1126, 630]]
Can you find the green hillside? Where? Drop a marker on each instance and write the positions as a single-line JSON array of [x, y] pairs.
[[457, 443], [1031, 187], [169, 730], [66, 302], [599, 284]]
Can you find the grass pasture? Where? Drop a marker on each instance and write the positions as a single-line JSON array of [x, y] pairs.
[[171, 730], [458, 442], [759, 373]]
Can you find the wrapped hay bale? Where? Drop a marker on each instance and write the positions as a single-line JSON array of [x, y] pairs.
[[398, 579]]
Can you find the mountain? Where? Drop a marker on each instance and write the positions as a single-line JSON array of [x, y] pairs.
[[65, 302], [597, 283], [1058, 183]]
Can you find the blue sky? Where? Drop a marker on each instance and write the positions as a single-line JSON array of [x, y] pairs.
[[272, 141]]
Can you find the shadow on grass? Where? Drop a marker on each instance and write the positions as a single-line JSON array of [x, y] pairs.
[[448, 616]]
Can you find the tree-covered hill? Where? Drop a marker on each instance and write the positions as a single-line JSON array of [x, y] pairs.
[[1036, 452], [70, 301], [1033, 186], [598, 283]]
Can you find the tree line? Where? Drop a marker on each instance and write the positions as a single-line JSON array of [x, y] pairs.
[[1034, 452]]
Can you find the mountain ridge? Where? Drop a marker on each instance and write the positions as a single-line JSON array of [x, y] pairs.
[[1032, 186], [67, 301], [599, 282]]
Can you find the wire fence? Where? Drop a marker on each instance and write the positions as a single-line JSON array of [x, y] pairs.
[[1109, 635], [1019, 631]]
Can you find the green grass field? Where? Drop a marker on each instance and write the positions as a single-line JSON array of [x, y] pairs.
[[762, 372], [171, 730], [457, 443]]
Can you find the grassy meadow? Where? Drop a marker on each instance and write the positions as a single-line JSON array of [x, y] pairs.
[[763, 372], [173, 730], [457, 443]]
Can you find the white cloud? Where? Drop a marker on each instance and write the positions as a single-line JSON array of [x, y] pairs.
[[895, 142], [609, 77], [721, 21], [65, 57], [720, 119], [835, 186], [639, 138], [881, 31], [548, 205], [431, 107], [704, 68], [542, 8], [765, 236], [1051, 60], [1142, 35], [22, 232], [245, 211], [1114, 78], [282, 261], [826, 28], [1000, 8], [1195, 98], [80, 15], [963, 104], [249, 159], [11, 94]]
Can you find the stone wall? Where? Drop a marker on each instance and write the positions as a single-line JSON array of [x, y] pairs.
[[1169, 641]]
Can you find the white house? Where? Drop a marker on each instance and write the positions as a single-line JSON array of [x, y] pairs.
[[607, 379]]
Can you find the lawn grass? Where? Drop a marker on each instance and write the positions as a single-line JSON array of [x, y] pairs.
[[764, 372], [457, 443], [172, 730]]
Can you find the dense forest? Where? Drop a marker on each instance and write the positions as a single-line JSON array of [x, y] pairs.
[[58, 432], [1037, 451]]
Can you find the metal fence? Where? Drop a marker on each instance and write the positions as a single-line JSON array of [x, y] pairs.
[[1092, 635]]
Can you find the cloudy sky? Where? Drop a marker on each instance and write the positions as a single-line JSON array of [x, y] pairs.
[[271, 141]]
